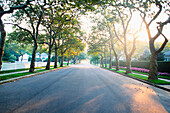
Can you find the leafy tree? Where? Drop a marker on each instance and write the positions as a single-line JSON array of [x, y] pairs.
[[20, 42], [145, 56], [8, 56], [7, 7], [154, 52], [161, 56], [32, 15]]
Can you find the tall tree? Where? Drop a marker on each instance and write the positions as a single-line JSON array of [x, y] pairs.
[[3, 11], [153, 71], [32, 15]]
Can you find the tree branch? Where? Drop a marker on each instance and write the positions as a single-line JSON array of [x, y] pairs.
[[147, 26], [117, 34], [157, 14], [128, 21], [31, 21], [163, 45], [21, 28], [23, 6]]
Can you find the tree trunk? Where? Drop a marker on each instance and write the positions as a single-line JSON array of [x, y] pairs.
[[153, 67], [32, 65], [116, 57], [40, 57], [105, 57], [49, 58], [56, 57], [62, 58], [128, 65], [22, 58], [74, 60], [101, 61], [117, 63], [110, 60], [68, 60], [2, 41]]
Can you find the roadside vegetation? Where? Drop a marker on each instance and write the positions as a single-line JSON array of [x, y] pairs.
[[19, 72], [144, 76]]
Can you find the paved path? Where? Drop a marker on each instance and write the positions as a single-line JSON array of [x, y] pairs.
[[82, 89]]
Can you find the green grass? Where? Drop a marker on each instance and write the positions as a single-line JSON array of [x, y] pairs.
[[159, 82], [24, 73], [120, 71], [145, 77], [165, 77], [15, 70], [113, 69], [20, 74], [138, 76], [24, 69]]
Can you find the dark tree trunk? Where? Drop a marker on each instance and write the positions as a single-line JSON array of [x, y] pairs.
[[74, 60], [117, 63], [105, 57], [62, 58], [116, 57], [128, 65], [32, 65], [110, 60], [68, 60], [40, 57], [56, 57], [22, 58], [153, 67], [101, 61], [2, 41], [49, 58]]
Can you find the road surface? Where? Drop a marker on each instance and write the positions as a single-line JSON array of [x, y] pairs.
[[82, 88]]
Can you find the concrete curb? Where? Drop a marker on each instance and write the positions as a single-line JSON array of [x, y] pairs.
[[141, 80], [30, 75]]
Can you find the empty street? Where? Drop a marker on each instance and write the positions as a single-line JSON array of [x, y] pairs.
[[82, 88]]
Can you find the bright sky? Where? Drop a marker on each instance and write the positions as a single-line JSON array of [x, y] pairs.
[[134, 24]]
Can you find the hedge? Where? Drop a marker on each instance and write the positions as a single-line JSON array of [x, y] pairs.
[[162, 66]]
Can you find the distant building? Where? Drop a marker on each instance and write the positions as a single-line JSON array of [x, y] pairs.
[[167, 56], [24, 58], [44, 56]]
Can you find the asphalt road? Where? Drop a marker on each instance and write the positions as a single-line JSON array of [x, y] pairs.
[[82, 88]]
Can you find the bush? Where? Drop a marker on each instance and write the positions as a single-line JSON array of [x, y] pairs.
[[162, 65]]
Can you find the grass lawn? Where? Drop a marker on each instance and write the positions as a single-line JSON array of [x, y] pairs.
[[20, 74], [144, 77], [24, 73], [24, 69]]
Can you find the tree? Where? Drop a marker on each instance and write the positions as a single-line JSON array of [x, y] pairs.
[[124, 15], [154, 52], [3, 11], [145, 56], [33, 15], [20, 42]]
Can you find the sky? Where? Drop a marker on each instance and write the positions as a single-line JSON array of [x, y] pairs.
[[134, 24]]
